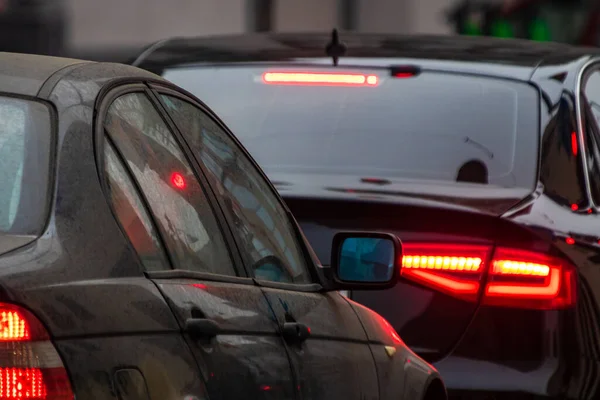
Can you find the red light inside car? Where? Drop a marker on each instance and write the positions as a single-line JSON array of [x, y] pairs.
[[320, 78], [515, 278], [574, 147], [178, 180]]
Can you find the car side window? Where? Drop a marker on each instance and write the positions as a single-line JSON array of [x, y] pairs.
[[590, 109], [131, 213], [261, 222], [561, 169], [176, 199]]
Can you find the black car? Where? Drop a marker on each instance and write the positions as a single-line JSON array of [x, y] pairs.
[[482, 155], [143, 255]]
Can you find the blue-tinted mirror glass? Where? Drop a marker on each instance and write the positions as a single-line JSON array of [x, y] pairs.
[[365, 259]]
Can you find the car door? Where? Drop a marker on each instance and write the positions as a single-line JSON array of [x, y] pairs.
[[227, 322], [160, 366], [325, 340]]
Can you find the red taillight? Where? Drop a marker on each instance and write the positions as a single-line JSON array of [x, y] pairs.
[[453, 269], [13, 326], [513, 278], [526, 279], [30, 367], [320, 78]]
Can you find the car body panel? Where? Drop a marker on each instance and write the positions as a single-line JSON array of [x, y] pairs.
[[250, 347], [91, 295], [119, 329], [65, 274], [168, 373], [18, 77], [336, 350]]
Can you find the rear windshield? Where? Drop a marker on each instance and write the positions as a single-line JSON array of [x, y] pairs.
[[24, 164], [429, 127]]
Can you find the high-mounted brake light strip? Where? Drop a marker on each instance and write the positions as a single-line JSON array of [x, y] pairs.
[[319, 78]]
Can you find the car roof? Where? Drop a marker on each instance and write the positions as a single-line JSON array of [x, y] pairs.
[[508, 57], [28, 74], [25, 74]]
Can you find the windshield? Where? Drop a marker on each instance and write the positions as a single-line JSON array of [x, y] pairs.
[[24, 165], [429, 127]]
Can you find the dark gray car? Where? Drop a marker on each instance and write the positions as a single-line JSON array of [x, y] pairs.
[[144, 255]]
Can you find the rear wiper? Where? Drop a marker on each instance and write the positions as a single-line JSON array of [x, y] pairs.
[[479, 146]]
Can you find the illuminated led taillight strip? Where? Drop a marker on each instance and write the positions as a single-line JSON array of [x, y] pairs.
[[445, 263], [319, 78], [516, 278], [511, 267], [548, 289]]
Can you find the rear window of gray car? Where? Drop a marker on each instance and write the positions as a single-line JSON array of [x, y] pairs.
[[25, 137], [430, 127]]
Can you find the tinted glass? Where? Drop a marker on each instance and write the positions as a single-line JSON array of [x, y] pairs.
[[25, 137], [432, 127], [591, 118], [131, 213], [561, 170], [262, 225], [167, 180]]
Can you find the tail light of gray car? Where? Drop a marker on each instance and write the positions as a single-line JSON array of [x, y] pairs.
[[30, 366], [498, 276]]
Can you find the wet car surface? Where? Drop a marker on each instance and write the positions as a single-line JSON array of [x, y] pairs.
[[144, 255]]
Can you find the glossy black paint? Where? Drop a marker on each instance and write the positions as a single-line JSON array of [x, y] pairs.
[[249, 335], [123, 332], [482, 352], [335, 351]]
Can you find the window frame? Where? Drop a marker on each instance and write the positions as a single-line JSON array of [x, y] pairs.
[[592, 140], [108, 142], [308, 255], [103, 104], [591, 67]]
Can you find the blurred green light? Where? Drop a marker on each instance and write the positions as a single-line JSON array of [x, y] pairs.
[[502, 29], [472, 28], [539, 31]]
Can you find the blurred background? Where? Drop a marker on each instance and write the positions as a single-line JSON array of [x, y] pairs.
[[85, 27]]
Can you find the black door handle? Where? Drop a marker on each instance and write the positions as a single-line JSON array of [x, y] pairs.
[[296, 332], [202, 328]]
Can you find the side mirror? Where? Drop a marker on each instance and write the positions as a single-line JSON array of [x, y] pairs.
[[365, 260]]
